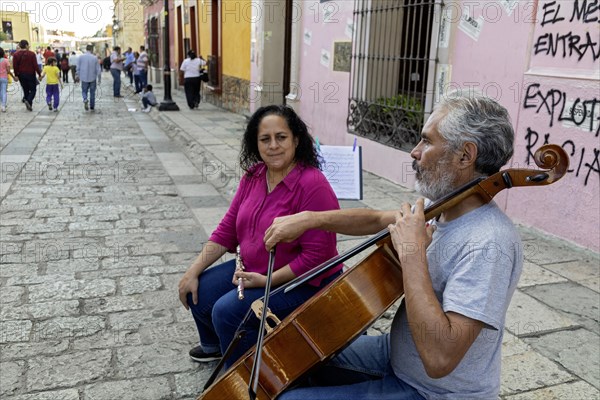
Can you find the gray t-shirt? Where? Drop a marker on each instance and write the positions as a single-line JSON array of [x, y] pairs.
[[474, 262], [151, 98]]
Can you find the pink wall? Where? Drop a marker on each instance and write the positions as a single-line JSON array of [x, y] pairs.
[[155, 10], [506, 59], [494, 63], [324, 92], [560, 103]]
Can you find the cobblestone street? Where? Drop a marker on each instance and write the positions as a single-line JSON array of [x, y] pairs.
[[101, 212]]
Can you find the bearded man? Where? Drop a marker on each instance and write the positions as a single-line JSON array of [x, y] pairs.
[[459, 270]]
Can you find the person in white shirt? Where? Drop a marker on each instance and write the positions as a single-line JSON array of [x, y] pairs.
[[190, 67], [73, 64], [142, 64], [40, 58], [116, 67]]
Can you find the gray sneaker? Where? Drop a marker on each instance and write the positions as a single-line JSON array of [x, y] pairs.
[[85, 105]]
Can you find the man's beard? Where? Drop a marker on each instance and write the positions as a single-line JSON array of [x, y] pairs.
[[436, 182]]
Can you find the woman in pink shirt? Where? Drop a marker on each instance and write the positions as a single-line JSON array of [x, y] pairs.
[[282, 177], [4, 74]]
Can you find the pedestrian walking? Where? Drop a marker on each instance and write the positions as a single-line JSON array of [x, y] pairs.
[[88, 72], [52, 74], [48, 53], [100, 63], [190, 67], [4, 74], [26, 67], [73, 64], [64, 68], [116, 67], [40, 57]]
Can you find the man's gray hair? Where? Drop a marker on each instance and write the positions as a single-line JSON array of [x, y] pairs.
[[473, 117]]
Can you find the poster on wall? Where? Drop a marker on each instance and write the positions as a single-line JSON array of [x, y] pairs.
[[325, 57], [342, 167], [349, 30], [441, 81], [341, 56], [307, 37], [445, 25], [509, 5], [470, 25]]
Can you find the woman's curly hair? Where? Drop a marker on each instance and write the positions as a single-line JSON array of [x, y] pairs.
[[306, 153]]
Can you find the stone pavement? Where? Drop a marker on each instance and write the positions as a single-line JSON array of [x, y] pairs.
[[102, 212]]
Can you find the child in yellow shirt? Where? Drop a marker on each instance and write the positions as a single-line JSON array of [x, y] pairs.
[[52, 74]]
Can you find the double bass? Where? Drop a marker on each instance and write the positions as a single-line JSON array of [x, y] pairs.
[[343, 310]]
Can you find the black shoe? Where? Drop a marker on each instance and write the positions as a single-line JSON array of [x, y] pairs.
[[197, 354], [28, 105], [118, 97], [49, 106]]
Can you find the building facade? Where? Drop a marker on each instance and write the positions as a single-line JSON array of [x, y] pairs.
[[372, 70], [128, 24], [224, 41], [16, 26]]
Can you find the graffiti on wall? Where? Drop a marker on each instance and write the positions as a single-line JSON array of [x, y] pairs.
[[580, 113], [559, 43]]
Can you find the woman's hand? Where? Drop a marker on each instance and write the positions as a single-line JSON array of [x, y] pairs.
[[188, 284], [251, 279]]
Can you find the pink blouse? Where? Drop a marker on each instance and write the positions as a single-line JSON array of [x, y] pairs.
[[4, 66], [252, 211]]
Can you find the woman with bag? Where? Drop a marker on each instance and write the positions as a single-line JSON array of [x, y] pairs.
[[191, 74], [5, 78]]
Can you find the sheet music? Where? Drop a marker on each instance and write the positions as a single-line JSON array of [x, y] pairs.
[[343, 169]]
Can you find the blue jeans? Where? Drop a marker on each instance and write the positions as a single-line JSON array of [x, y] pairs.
[[146, 102], [116, 74], [138, 83], [91, 87], [3, 90], [361, 371], [143, 78], [219, 311]]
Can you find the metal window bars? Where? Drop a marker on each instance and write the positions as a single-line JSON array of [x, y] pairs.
[[390, 68]]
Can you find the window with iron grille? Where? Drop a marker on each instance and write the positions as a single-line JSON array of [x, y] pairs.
[[391, 64], [153, 43]]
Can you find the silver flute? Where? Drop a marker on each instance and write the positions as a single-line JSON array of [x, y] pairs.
[[239, 265]]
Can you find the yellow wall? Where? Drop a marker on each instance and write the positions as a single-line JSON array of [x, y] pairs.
[[20, 24], [204, 27], [235, 31], [130, 15], [236, 38]]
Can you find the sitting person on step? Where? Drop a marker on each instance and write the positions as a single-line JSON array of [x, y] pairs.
[[148, 99]]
